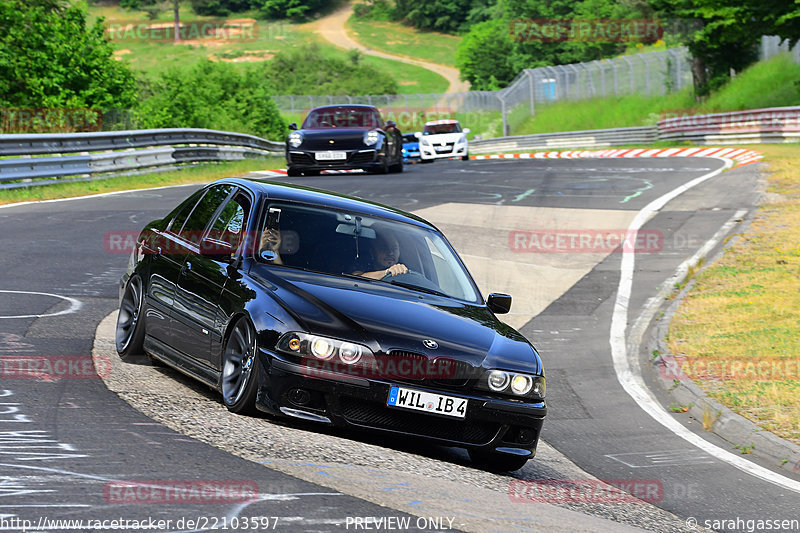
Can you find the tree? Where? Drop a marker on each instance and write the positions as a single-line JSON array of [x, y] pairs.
[[293, 9], [50, 58], [483, 56], [220, 8], [211, 95], [728, 34]]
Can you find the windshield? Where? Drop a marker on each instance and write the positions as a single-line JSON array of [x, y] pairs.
[[342, 117], [410, 138], [350, 244], [450, 127]]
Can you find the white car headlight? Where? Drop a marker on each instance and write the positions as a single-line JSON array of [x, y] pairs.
[[295, 139], [324, 348], [371, 137]]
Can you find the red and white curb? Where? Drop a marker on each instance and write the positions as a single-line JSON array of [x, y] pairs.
[[740, 156]]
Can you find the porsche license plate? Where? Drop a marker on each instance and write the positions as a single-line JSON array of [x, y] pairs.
[[428, 402], [331, 156]]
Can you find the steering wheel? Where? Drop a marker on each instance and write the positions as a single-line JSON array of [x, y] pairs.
[[412, 277]]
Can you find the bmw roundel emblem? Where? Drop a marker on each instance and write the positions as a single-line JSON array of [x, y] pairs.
[[430, 344]]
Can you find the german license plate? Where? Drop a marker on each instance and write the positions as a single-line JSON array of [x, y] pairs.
[[427, 401], [330, 156]]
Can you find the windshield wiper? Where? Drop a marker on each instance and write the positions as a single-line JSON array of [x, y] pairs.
[[417, 288]]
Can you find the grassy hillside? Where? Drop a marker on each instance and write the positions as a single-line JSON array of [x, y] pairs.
[[402, 40], [771, 83], [267, 38]]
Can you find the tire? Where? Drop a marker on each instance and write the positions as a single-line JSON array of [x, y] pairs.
[[312, 172], [129, 336], [465, 157], [397, 167], [239, 377], [496, 461], [293, 172]]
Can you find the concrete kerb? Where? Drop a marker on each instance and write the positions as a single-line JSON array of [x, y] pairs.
[[725, 423]]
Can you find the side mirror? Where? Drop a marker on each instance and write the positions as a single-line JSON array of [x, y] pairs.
[[217, 250], [467, 130], [293, 126], [499, 304]]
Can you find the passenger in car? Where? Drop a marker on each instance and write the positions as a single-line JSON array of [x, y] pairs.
[[384, 258], [271, 242]]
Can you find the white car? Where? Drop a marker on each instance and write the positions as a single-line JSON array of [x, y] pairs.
[[443, 138]]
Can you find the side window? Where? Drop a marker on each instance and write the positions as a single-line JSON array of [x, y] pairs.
[[231, 222], [196, 222], [182, 212]]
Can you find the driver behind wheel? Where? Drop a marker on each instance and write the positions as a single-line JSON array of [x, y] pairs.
[[384, 256]]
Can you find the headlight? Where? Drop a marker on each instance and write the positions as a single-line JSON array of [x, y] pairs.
[[371, 137], [424, 142], [513, 384], [324, 348], [295, 139], [462, 140], [498, 380]]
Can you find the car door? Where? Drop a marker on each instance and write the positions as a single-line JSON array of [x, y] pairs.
[[166, 254], [203, 276]]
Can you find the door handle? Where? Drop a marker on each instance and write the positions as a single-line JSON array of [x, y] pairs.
[[187, 266]]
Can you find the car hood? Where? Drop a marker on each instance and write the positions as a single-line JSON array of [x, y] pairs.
[[386, 317]]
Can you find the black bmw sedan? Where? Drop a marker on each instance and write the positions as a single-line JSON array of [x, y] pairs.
[[344, 137], [308, 304]]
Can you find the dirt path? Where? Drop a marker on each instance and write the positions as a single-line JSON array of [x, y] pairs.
[[333, 29]]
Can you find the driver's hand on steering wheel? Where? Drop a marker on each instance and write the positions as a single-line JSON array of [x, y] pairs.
[[396, 270]]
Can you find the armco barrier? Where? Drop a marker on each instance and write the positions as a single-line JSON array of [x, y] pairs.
[[772, 125], [86, 154], [570, 139]]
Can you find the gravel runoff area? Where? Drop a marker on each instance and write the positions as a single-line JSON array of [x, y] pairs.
[[397, 475]]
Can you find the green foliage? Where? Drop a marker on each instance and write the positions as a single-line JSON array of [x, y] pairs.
[[211, 95], [305, 70], [220, 8], [728, 33], [291, 9], [506, 43], [483, 55], [49, 57], [449, 16]]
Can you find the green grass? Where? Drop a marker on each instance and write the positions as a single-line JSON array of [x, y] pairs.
[[398, 39], [269, 38], [199, 174], [772, 83], [599, 113]]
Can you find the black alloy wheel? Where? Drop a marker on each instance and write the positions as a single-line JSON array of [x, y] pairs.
[[239, 380], [129, 336]]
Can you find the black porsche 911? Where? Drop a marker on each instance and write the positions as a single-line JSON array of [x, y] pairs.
[[303, 303], [344, 137]]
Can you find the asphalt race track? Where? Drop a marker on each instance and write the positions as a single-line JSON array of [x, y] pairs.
[[66, 444]]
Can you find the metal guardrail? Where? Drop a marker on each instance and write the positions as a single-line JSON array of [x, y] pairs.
[[772, 125], [570, 139], [87, 154]]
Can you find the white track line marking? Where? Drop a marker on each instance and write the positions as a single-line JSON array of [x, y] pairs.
[[633, 383], [74, 305]]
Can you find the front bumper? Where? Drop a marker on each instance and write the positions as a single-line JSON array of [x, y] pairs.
[[491, 423], [437, 151], [365, 159]]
